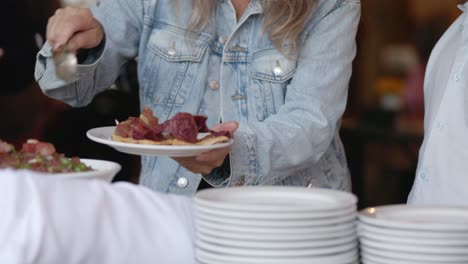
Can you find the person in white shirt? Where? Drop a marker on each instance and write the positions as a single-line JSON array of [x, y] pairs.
[[442, 173], [45, 219]]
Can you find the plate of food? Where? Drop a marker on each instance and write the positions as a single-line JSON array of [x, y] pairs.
[[100, 169], [183, 135], [42, 157]]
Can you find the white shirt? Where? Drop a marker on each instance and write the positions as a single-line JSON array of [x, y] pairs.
[[45, 219], [442, 173]]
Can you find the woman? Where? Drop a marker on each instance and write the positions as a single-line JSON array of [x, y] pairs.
[[279, 69]]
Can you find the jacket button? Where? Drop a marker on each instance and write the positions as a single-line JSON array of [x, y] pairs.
[[171, 52], [241, 181], [278, 71], [238, 97], [222, 39], [182, 182], [214, 85]]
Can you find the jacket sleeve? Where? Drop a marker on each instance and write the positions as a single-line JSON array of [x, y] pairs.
[[122, 21], [303, 128]]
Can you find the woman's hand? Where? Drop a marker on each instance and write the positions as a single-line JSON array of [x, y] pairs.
[[75, 26], [206, 162]]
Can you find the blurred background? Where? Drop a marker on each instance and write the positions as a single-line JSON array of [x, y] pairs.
[[382, 128]]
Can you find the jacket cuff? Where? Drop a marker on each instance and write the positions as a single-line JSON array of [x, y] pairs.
[[87, 63], [219, 177], [92, 56], [240, 167], [244, 164]]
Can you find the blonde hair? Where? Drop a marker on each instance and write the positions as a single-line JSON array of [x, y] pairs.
[[284, 19]]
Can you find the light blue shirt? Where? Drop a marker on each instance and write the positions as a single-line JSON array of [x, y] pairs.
[[441, 176], [289, 106]]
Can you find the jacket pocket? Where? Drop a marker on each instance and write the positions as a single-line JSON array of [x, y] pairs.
[[270, 73], [171, 63]]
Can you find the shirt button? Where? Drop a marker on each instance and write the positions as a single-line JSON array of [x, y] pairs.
[[461, 27], [423, 175], [214, 85], [222, 39], [182, 182], [457, 77], [440, 125]]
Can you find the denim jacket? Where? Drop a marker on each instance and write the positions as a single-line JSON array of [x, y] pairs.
[[288, 107]]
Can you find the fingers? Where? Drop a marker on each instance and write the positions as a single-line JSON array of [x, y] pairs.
[[193, 166], [228, 126], [74, 24], [85, 40], [215, 158], [204, 163]]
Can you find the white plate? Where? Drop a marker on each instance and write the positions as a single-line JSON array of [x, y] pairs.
[[371, 259], [408, 240], [275, 199], [285, 252], [413, 256], [207, 257], [102, 170], [103, 135], [282, 223], [267, 230], [415, 234], [275, 215], [415, 248], [277, 234], [431, 218], [367, 258], [277, 244]]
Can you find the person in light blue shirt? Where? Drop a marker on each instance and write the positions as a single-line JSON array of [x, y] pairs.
[[441, 176], [53, 219], [275, 73]]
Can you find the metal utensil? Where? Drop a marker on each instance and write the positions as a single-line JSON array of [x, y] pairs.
[[65, 63]]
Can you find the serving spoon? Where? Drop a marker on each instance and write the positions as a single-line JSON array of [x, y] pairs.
[[65, 63]]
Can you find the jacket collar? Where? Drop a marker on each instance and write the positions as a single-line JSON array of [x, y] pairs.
[[255, 6], [463, 7]]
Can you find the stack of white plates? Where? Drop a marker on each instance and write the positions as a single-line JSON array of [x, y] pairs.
[[408, 234], [269, 224]]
